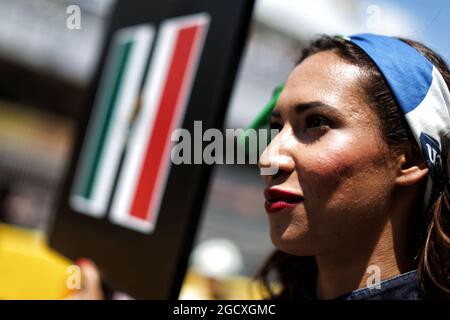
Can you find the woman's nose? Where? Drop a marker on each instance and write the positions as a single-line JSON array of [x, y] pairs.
[[276, 156]]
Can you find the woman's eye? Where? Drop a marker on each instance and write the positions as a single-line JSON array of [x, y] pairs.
[[317, 123]]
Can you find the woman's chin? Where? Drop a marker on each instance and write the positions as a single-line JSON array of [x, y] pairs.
[[292, 243]]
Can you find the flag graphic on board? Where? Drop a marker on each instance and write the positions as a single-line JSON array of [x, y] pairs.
[[141, 100]]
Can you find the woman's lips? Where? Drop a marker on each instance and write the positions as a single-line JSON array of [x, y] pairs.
[[278, 199], [272, 207]]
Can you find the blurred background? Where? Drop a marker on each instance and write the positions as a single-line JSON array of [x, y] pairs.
[[45, 70]]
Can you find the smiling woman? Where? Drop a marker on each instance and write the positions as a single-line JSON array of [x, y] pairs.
[[352, 181]]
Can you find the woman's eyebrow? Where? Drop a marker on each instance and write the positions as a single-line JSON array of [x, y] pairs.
[[302, 107]]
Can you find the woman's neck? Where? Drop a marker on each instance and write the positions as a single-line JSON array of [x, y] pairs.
[[365, 262]]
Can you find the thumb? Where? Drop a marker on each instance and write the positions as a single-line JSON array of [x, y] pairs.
[[90, 282]]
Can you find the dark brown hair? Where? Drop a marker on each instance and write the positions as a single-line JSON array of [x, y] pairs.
[[432, 240]]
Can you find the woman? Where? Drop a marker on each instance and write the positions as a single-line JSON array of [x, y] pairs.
[[362, 191], [347, 202]]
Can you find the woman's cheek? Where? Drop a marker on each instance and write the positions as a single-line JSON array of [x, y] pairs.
[[330, 168], [325, 161]]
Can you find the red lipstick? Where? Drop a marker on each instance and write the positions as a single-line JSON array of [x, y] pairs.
[[277, 199]]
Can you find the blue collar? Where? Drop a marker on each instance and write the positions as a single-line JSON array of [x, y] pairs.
[[402, 287]]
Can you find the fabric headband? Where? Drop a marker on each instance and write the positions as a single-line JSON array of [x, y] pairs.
[[420, 92]]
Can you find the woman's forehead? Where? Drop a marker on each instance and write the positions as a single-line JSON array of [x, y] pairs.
[[323, 77]]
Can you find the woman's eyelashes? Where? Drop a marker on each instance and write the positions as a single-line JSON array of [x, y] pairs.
[[317, 123], [312, 122]]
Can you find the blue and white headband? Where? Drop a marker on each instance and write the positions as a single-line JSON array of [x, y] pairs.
[[420, 92]]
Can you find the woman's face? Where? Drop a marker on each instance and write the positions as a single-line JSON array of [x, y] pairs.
[[335, 171]]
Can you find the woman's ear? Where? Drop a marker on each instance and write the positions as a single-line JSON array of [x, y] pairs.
[[410, 171]]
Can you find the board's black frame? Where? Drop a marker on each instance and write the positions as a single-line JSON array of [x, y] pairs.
[[153, 266]]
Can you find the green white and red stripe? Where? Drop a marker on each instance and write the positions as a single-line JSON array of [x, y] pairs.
[[167, 88], [109, 125]]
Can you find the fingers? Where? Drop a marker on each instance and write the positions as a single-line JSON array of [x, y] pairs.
[[90, 282]]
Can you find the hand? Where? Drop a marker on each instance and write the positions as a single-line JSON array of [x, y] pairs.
[[90, 282]]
